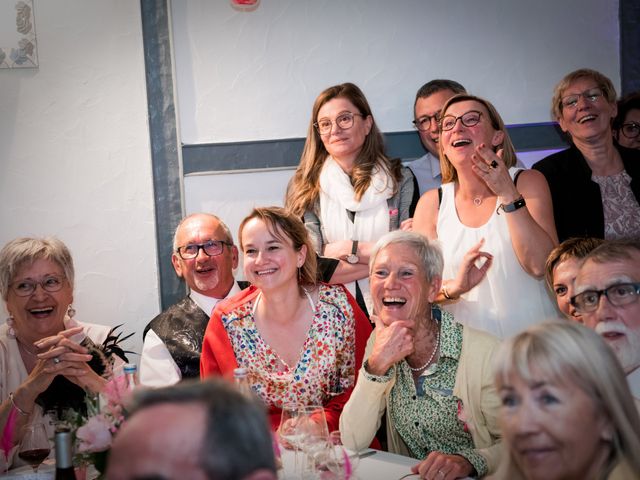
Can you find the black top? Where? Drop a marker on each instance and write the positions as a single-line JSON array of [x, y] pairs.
[[577, 203], [181, 327]]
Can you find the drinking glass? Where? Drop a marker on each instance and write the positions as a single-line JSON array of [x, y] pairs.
[[289, 436], [345, 446], [312, 426], [34, 447]]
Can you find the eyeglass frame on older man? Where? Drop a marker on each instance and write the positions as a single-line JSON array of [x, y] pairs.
[[344, 115], [216, 245], [32, 285], [423, 124], [629, 297]]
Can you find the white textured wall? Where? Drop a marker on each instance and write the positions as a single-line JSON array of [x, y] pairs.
[[254, 76], [75, 158]]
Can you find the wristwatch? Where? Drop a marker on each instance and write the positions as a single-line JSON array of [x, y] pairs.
[[353, 258]]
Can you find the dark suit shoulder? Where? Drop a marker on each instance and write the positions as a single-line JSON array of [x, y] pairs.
[[185, 307]]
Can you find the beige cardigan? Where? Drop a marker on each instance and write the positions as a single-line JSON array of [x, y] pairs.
[[362, 414]]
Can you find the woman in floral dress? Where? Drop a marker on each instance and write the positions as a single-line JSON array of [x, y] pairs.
[[300, 340]]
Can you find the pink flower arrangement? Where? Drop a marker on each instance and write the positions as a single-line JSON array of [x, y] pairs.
[[95, 435]]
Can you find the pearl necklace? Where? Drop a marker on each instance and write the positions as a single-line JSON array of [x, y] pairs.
[[433, 354]]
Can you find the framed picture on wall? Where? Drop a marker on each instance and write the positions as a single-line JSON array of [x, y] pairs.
[[18, 45]]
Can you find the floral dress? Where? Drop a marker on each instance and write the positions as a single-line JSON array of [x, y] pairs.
[[330, 356]]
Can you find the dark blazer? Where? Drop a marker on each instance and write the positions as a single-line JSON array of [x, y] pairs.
[[181, 327], [577, 203]]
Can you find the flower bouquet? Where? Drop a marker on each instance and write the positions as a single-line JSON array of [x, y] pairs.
[[97, 420]]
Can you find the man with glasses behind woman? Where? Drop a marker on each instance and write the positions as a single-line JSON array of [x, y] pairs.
[[595, 184], [607, 291]]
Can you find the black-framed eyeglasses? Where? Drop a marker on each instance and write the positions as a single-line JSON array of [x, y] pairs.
[[50, 283], [630, 129], [618, 295], [468, 119], [211, 247], [593, 95], [423, 123], [344, 121]]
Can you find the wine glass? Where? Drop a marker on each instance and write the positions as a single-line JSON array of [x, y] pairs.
[[288, 435], [314, 433], [34, 447]]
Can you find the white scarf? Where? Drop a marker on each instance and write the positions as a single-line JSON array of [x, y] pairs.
[[372, 212]]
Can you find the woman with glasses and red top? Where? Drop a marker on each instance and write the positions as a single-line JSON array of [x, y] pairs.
[[494, 222], [348, 192], [595, 184]]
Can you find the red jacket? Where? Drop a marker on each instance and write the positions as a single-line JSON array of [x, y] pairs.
[[218, 357]]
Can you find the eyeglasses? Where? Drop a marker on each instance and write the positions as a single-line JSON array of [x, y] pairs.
[[50, 283], [211, 247], [344, 121], [469, 119], [630, 130], [423, 124], [618, 295], [571, 101]]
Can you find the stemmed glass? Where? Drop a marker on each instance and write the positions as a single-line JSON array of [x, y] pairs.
[[312, 425], [34, 447], [288, 435]]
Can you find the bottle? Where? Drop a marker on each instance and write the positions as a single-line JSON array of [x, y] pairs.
[[64, 456], [131, 375], [241, 380]]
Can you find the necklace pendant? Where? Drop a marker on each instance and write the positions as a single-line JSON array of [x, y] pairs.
[[477, 201]]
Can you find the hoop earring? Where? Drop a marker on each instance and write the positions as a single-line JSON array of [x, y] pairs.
[[11, 331], [71, 311]]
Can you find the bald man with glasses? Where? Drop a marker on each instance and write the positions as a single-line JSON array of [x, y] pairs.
[[204, 256]]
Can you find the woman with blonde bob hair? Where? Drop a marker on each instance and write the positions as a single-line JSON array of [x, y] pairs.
[[346, 189], [567, 412], [301, 341], [595, 183], [500, 215]]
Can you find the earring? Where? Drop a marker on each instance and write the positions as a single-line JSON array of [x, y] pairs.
[[71, 311], [299, 275], [11, 332]]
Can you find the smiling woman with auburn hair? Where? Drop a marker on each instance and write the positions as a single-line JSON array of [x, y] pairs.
[[301, 340]]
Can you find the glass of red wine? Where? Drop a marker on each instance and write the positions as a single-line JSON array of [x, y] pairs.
[[35, 446]]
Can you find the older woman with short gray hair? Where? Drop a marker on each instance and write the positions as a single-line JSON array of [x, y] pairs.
[[431, 374], [46, 360]]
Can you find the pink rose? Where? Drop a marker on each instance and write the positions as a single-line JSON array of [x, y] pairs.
[[115, 391], [95, 435]]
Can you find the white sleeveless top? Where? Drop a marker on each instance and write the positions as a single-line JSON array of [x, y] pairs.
[[508, 299]]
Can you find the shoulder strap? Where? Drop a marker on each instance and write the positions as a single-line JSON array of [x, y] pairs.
[[439, 196], [515, 177]]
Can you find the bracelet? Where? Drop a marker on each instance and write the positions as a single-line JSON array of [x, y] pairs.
[[511, 207], [13, 402], [446, 294]]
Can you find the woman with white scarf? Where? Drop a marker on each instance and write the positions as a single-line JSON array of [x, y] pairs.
[[348, 192]]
